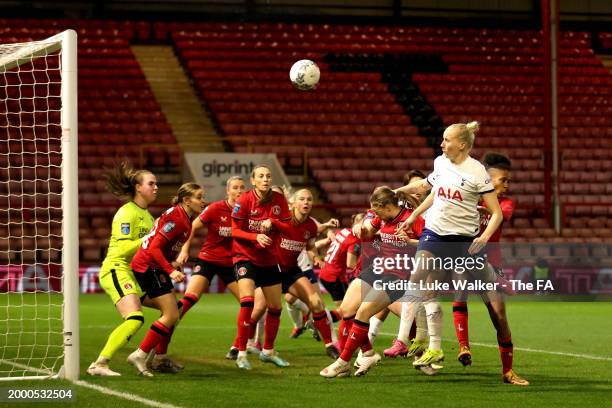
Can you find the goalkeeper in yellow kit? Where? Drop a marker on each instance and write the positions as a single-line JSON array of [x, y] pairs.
[[131, 223]]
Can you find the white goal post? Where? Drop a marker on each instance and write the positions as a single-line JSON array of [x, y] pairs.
[[39, 219]]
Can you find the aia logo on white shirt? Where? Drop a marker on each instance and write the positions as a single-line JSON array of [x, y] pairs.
[[450, 194]]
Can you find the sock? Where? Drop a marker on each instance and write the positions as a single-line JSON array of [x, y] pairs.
[[252, 328], [375, 324], [155, 334], [335, 316], [186, 303], [357, 336], [421, 324], [434, 323], [303, 307], [330, 323], [235, 343], [271, 327], [296, 315], [505, 353], [320, 322], [162, 347], [343, 330], [460, 317], [244, 318], [406, 318], [259, 330], [413, 329], [122, 334]]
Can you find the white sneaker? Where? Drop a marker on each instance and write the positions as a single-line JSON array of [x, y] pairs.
[[102, 370], [336, 369], [140, 363], [365, 363]]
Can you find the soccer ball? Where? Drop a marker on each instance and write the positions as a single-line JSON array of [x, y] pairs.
[[304, 74]]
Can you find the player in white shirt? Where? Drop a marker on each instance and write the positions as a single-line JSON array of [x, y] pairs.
[[458, 182]]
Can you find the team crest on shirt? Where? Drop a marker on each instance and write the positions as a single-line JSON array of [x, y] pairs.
[[307, 235], [276, 210], [125, 228], [254, 212], [242, 271], [223, 219], [128, 286], [169, 226], [162, 278], [197, 269]]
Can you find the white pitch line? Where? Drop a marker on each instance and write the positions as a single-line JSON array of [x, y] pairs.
[[124, 395], [99, 388], [529, 350]]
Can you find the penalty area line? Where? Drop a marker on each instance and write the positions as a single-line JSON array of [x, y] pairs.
[[529, 350]]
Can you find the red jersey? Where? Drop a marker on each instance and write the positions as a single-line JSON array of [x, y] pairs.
[[335, 259], [247, 216], [217, 248], [494, 251], [164, 242], [391, 244], [293, 240]]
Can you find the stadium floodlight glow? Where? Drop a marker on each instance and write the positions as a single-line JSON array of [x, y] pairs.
[[39, 242]]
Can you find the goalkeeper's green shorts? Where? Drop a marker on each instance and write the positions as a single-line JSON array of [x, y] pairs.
[[119, 281]]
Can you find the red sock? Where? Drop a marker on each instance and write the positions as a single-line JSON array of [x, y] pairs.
[[244, 317], [156, 333], [322, 325], [357, 337], [460, 315], [252, 328], [412, 333], [186, 303], [335, 316], [505, 353], [343, 330], [271, 327], [236, 342], [162, 347]]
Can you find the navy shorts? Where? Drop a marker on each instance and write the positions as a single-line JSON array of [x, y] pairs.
[[444, 246]]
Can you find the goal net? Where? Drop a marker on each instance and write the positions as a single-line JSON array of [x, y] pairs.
[[39, 209]]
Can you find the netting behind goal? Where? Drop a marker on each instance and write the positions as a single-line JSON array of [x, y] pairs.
[[37, 207]]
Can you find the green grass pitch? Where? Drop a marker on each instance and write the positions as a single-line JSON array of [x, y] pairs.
[[556, 329]]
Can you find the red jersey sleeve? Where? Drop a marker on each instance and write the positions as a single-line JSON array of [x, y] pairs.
[[205, 216], [283, 208], [170, 230], [418, 225], [507, 207], [354, 246], [155, 250], [241, 207]]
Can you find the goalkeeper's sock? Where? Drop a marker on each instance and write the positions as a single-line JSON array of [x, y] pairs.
[[460, 318], [186, 303], [122, 334], [156, 333]]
